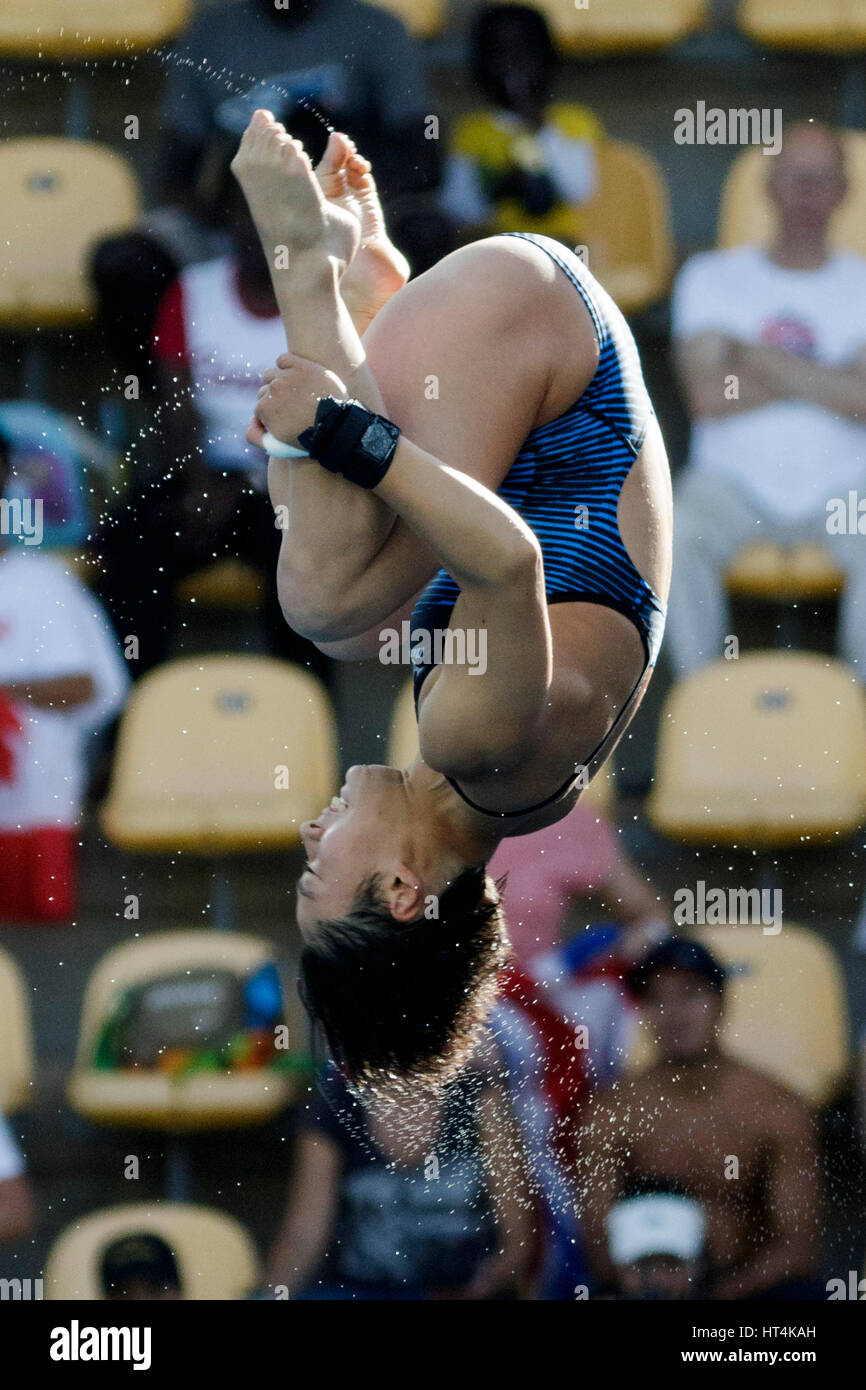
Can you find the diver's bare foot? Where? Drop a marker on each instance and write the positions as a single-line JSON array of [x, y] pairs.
[[286, 200], [378, 270]]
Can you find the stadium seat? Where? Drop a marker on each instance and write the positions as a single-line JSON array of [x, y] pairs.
[[215, 1255], [403, 750], [230, 584], [766, 571], [746, 213], [768, 750], [71, 29], [423, 18], [628, 227], [786, 1012], [221, 754], [59, 198], [596, 27], [834, 26], [16, 1038], [150, 1099]]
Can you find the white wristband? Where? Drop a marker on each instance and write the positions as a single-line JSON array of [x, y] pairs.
[[275, 448]]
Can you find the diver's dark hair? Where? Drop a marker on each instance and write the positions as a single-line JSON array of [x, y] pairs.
[[485, 20], [407, 1000]]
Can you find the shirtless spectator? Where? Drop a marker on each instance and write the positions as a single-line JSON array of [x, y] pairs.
[[713, 1129], [771, 354]]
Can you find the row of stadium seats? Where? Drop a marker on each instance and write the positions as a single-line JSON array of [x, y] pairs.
[[66, 30], [224, 754], [61, 196], [786, 1015]]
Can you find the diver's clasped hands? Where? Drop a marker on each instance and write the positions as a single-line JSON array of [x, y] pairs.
[[288, 397]]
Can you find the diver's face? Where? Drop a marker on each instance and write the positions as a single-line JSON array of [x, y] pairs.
[[361, 833]]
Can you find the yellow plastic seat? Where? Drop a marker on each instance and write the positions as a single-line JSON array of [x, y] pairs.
[[621, 26], [70, 29], [155, 1100], [403, 750], [785, 1009], [767, 571], [215, 1255], [221, 754], [834, 26], [767, 750], [59, 198], [424, 19], [747, 215], [230, 583], [628, 227], [16, 1038]]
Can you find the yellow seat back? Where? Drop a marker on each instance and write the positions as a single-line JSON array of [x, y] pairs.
[[70, 29], [16, 1038], [596, 27], [835, 26], [747, 215], [764, 570], [785, 1007], [424, 19], [59, 198], [215, 1255], [221, 753], [628, 227], [766, 750], [155, 1100]]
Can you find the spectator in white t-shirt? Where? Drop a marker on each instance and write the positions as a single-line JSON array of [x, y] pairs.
[[16, 1201], [771, 354], [62, 678]]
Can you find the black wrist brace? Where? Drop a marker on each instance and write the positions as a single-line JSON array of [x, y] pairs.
[[349, 439]]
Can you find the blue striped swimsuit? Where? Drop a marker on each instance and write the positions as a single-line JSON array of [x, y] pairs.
[[565, 483]]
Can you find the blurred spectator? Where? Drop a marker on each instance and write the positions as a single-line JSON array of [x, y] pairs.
[[656, 1244], [354, 61], [526, 163], [771, 353], [16, 1201], [577, 861], [217, 330], [61, 679], [426, 1202], [139, 1267], [714, 1129], [560, 986]]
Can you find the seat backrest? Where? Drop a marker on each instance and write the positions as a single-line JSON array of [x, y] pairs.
[[588, 27], [59, 198], [70, 29], [785, 1007], [746, 214], [155, 956], [424, 19], [215, 1255], [628, 221], [772, 746], [221, 752]]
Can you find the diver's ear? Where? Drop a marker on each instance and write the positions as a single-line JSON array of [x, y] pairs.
[[404, 896]]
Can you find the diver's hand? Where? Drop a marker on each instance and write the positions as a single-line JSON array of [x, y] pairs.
[[289, 395]]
